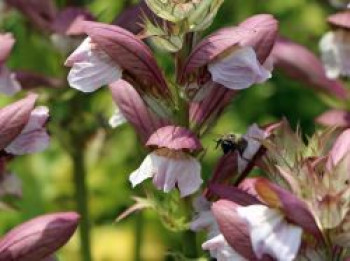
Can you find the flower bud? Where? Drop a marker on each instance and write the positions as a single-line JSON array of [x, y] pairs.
[[38, 238]]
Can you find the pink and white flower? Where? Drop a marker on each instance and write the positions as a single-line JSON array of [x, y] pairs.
[[110, 52], [269, 222], [170, 165], [235, 56], [216, 242], [271, 233]]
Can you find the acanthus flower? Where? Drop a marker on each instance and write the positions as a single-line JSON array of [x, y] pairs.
[[110, 53], [169, 164], [235, 56], [270, 223]]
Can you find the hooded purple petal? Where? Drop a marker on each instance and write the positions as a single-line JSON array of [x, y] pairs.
[[134, 109], [38, 238], [300, 63], [130, 53], [6, 44], [258, 32], [13, 119], [174, 138], [335, 118], [295, 210]]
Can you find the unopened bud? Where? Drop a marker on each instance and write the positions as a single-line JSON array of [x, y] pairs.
[[38, 238]]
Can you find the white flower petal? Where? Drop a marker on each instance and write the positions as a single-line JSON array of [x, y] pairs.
[[145, 171], [220, 249], [239, 70], [34, 137], [189, 178], [91, 69], [117, 119], [8, 82], [169, 172], [270, 233]]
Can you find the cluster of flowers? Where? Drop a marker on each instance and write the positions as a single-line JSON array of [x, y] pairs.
[[23, 131], [254, 219], [302, 215]]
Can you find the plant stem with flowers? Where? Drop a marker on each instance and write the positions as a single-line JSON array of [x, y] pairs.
[[171, 121]]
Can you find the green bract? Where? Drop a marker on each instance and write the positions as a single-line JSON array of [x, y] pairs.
[[196, 15]]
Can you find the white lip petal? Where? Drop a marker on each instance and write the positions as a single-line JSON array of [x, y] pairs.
[[8, 82], [91, 68], [239, 70], [189, 179], [93, 74], [34, 137], [270, 233], [220, 249], [169, 172], [145, 171]]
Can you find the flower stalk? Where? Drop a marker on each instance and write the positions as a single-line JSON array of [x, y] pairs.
[[81, 197]]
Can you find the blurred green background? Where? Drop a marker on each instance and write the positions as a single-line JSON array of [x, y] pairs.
[[113, 155]]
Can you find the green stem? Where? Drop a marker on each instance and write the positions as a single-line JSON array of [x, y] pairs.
[[81, 201], [189, 243], [138, 236]]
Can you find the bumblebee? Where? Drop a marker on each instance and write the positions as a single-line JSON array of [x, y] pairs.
[[231, 143]]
